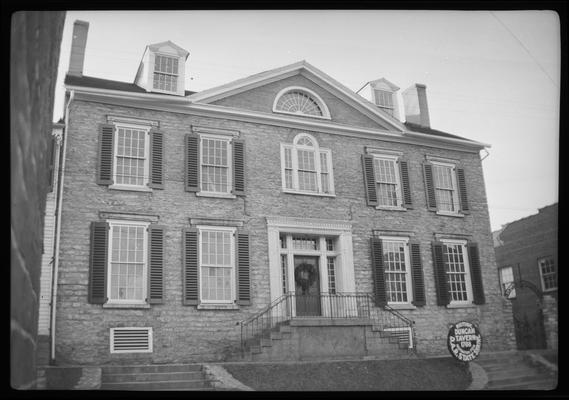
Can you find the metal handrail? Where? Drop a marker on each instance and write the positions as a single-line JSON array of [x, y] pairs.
[[328, 305]]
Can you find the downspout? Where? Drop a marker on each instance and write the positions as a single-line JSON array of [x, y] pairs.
[[58, 232]]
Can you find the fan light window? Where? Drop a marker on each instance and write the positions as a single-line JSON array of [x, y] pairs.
[[300, 101]]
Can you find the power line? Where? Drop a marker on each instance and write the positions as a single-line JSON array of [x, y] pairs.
[[525, 48]]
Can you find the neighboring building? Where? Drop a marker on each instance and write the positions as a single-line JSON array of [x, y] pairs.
[[34, 57], [526, 254], [186, 213]]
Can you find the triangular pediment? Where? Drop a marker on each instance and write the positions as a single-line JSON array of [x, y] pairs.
[[168, 47], [257, 93]]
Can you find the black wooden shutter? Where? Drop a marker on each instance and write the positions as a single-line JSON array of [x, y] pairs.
[[369, 180], [441, 281], [417, 274], [97, 293], [378, 272], [238, 167], [156, 179], [475, 273], [105, 160], [405, 184], [192, 160], [190, 266], [155, 264], [429, 186], [243, 269], [464, 206]]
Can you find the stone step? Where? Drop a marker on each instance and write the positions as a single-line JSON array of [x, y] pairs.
[[153, 376], [534, 384], [499, 362], [146, 369], [519, 371], [157, 385], [516, 380]]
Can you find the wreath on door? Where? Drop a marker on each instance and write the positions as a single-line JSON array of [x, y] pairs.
[[305, 275]]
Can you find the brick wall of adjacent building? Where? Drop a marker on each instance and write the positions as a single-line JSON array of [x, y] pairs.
[[523, 242], [183, 333], [550, 321], [34, 56]]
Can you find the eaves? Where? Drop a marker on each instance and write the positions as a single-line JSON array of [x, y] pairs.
[[181, 105]]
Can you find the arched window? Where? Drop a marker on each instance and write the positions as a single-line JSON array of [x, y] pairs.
[[306, 167], [300, 101]]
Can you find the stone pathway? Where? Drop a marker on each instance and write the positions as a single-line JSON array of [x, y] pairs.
[[512, 370]]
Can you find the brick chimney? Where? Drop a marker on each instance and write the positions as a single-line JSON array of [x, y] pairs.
[[77, 57], [416, 107]]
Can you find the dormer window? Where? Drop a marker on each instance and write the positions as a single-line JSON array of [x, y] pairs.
[[162, 69], [384, 100], [165, 73], [300, 101]]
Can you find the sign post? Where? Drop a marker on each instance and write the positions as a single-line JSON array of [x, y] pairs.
[[464, 341]]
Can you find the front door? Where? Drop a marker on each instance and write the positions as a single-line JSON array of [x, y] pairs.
[[307, 285]]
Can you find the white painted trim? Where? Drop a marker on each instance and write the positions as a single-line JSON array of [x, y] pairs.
[[321, 103], [173, 104], [399, 190], [215, 131], [119, 119], [408, 276], [541, 274], [228, 139], [468, 280], [455, 192], [138, 223], [120, 94], [146, 174], [233, 261]]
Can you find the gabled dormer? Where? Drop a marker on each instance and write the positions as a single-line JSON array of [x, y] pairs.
[[162, 69], [383, 94]]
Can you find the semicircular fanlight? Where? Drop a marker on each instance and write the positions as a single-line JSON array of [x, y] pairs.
[[298, 102]]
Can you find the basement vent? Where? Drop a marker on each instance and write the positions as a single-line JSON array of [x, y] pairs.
[[131, 340]]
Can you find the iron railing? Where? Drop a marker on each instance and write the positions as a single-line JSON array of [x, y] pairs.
[[325, 305]]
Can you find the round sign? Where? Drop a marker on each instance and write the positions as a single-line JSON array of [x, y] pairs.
[[464, 341]]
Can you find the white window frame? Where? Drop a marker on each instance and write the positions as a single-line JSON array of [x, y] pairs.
[[229, 140], [123, 186], [512, 294], [233, 231], [468, 279], [179, 75], [540, 267], [408, 276], [399, 191], [455, 194], [312, 94], [144, 299], [317, 150]]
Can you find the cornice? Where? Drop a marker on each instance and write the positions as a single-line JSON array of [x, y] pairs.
[[182, 106], [316, 224]]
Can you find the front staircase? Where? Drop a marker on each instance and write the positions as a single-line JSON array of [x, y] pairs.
[[352, 328], [155, 377], [508, 370]]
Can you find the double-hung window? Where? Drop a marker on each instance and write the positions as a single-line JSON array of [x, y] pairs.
[[127, 263], [306, 168], [446, 192], [457, 271], [131, 155], [387, 181], [384, 100], [165, 73], [548, 274], [217, 264], [397, 270], [215, 164]]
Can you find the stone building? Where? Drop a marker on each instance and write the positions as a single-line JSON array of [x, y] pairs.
[[527, 259], [195, 223]]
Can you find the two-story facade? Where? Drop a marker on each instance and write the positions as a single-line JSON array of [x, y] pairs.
[[186, 213]]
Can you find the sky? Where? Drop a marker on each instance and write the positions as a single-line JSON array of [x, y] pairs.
[[491, 76]]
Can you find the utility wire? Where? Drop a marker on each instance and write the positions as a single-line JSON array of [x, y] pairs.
[[525, 48]]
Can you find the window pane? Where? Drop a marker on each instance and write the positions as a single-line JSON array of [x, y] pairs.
[[331, 263], [216, 265], [298, 102], [215, 165], [395, 271], [456, 272], [127, 265], [130, 157]]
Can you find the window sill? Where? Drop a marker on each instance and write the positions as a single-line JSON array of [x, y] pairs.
[[206, 306], [408, 306], [469, 305], [218, 195], [130, 188], [450, 214], [126, 305], [291, 191], [385, 208]]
